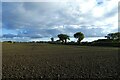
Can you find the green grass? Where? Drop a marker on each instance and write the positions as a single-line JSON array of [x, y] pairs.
[[30, 60]]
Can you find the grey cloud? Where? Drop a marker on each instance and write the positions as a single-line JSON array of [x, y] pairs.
[[88, 32], [40, 19], [111, 13], [8, 35]]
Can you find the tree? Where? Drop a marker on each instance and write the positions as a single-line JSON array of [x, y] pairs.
[[52, 39], [109, 36], [80, 36], [63, 38], [117, 36], [113, 36]]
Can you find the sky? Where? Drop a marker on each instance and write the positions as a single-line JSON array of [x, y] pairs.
[[26, 21]]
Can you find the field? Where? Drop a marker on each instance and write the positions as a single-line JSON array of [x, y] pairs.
[[36, 60]]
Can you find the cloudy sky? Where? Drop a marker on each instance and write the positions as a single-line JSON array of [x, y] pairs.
[[33, 20]]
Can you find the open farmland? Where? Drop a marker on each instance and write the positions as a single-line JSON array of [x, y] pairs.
[[35, 60]]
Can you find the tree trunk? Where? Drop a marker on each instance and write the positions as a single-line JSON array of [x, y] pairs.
[[79, 41], [62, 41]]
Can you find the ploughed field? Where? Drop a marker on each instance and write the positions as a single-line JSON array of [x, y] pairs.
[[37, 60]]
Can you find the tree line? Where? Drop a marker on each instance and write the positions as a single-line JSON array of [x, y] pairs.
[[80, 36], [111, 38], [64, 37]]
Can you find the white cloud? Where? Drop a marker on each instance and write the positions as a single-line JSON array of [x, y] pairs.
[[42, 17], [98, 12]]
